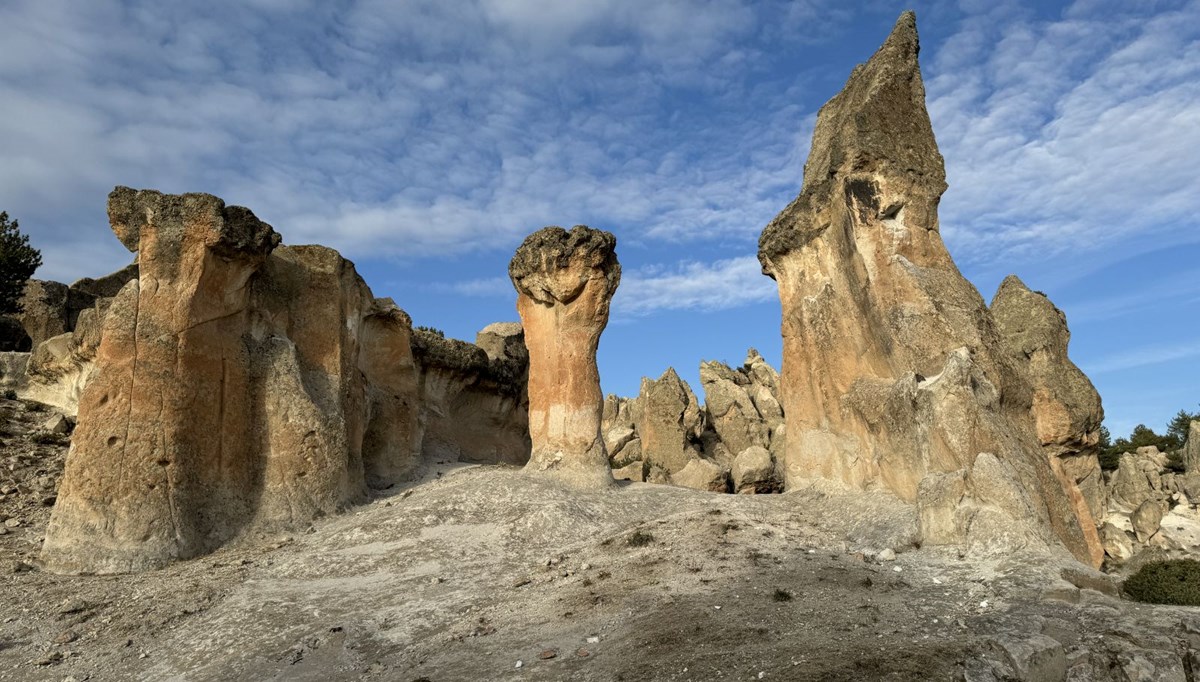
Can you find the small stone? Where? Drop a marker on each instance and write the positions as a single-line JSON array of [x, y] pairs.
[[520, 664], [66, 637], [937, 581], [717, 608], [548, 654], [585, 567], [51, 658], [983, 604], [436, 580], [593, 640], [12, 523], [583, 653], [887, 555], [897, 569]]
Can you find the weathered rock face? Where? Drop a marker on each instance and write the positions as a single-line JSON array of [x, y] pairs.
[[473, 406], [565, 282], [1191, 450], [13, 338], [231, 391], [668, 423], [730, 409], [44, 311], [892, 370]]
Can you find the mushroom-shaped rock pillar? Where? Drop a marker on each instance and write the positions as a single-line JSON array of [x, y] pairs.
[[565, 282]]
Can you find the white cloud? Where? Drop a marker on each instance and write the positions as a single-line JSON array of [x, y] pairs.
[[490, 287], [695, 286], [1066, 136], [1142, 356]]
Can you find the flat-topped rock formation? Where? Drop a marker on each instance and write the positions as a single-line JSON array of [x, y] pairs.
[[894, 377], [565, 282]]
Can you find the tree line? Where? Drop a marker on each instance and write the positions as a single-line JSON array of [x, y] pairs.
[[1171, 442]]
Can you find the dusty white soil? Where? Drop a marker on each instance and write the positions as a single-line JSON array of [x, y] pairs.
[[485, 573]]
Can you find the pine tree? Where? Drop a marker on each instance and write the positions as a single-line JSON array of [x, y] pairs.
[[18, 261]]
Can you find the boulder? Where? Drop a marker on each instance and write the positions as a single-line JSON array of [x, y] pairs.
[[1117, 543], [668, 422], [754, 471], [1131, 485], [12, 370], [701, 474], [893, 368], [565, 282], [44, 313], [109, 285], [1146, 520]]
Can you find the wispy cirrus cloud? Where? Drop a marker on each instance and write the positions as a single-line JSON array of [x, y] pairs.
[[1066, 135], [694, 286]]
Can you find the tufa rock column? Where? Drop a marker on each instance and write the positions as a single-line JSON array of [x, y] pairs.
[[565, 282], [894, 374]]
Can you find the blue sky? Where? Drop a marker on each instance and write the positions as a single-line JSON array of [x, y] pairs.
[[425, 139]]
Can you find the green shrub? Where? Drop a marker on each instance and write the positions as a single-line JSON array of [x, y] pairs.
[[47, 438], [432, 330], [1166, 582], [1110, 460], [639, 539]]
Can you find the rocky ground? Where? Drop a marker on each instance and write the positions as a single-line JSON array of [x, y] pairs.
[[484, 573]]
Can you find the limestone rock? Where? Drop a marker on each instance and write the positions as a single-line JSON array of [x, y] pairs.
[[1117, 543], [1131, 484], [754, 470], [892, 365], [1146, 519], [108, 285], [634, 471], [473, 406], [12, 370], [565, 282], [504, 341], [1066, 406], [232, 392], [1191, 450], [668, 422], [701, 474], [729, 408], [13, 338], [44, 311]]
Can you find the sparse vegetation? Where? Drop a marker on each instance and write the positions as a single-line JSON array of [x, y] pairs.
[[18, 262], [639, 538], [48, 438], [432, 330], [1166, 582], [782, 595], [1142, 436]]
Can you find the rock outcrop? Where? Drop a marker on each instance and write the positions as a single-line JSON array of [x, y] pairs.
[[565, 282], [232, 391], [62, 328], [1191, 449], [1066, 406], [659, 434], [473, 406], [668, 423], [893, 374]]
